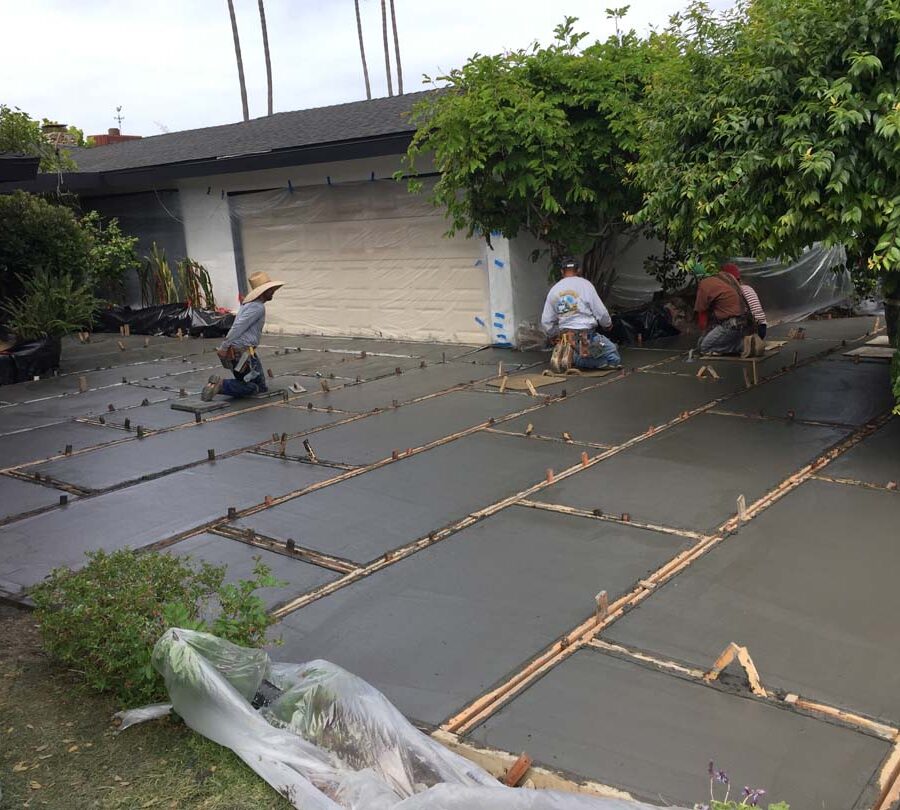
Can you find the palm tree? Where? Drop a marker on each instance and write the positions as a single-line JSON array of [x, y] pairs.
[[265, 33], [397, 51], [240, 61], [362, 51], [387, 52]]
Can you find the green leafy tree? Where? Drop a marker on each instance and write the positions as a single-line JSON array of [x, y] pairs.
[[112, 255], [537, 140], [21, 134]]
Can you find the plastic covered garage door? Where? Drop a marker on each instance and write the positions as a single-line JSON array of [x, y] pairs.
[[367, 259]]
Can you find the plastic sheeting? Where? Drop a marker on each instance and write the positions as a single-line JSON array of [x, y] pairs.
[[25, 361], [166, 319], [364, 259], [324, 738]]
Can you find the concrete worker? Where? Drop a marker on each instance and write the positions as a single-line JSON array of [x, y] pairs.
[[573, 312], [722, 313], [238, 351], [752, 299]]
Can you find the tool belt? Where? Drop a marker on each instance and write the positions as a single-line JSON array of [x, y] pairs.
[[578, 339], [237, 362]]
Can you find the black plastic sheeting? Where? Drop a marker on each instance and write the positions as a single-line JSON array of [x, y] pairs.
[[650, 322], [28, 360], [165, 319]]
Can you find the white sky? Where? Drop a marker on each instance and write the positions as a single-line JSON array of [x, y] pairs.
[[171, 65]]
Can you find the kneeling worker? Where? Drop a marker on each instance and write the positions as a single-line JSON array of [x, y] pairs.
[[238, 351], [573, 312], [722, 313]]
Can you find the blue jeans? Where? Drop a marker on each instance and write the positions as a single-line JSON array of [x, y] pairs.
[[601, 354], [249, 383], [723, 338]]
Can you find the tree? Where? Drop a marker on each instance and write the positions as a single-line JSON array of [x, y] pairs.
[[397, 50], [776, 126], [265, 37], [20, 134], [240, 61], [538, 140], [362, 50], [387, 52]]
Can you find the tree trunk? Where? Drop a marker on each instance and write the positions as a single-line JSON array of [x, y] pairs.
[[387, 51], [265, 36], [362, 51], [240, 61], [890, 286], [397, 50]]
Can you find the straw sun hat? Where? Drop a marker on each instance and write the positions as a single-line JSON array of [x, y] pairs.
[[260, 283]]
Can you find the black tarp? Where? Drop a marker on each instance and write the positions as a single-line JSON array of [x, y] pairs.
[[165, 319], [650, 322], [30, 359]]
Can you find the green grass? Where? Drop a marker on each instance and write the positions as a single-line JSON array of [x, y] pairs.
[[59, 748]]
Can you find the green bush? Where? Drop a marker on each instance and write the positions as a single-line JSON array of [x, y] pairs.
[[49, 306], [103, 620], [111, 257]]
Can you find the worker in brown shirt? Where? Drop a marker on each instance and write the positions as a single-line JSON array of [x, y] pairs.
[[722, 313]]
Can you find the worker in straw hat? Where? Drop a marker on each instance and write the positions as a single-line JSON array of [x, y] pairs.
[[238, 351]]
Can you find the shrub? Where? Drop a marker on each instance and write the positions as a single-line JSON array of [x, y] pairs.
[[103, 620], [49, 306], [111, 257]]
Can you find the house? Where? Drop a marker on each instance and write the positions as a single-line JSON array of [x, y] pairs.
[[309, 197]]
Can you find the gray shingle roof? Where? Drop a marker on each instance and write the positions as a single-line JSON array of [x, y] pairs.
[[319, 125]]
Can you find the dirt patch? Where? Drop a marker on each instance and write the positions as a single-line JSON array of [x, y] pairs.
[[58, 747]]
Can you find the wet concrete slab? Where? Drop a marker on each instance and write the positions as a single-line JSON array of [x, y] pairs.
[[691, 475], [875, 460], [363, 517], [382, 393], [842, 393], [18, 497], [374, 437], [147, 513], [836, 329], [492, 355], [619, 410], [152, 455], [439, 628], [298, 577], [371, 367], [809, 586], [41, 443], [653, 735]]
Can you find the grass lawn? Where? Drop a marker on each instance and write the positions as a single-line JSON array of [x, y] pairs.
[[58, 747]]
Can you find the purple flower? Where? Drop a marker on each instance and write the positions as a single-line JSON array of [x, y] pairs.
[[721, 777], [752, 796]]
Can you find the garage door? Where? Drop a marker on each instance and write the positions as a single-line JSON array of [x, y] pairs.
[[364, 259]]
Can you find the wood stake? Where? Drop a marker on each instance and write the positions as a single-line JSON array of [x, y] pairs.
[[82, 384], [747, 382], [742, 507], [567, 437], [713, 373], [503, 383], [310, 453], [602, 601], [584, 459], [755, 377], [529, 429], [120, 345], [531, 388], [549, 475], [325, 387], [146, 343]]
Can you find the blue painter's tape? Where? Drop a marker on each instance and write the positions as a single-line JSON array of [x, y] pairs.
[[499, 325], [499, 263], [500, 335], [496, 233], [479, 321], [500, 315]]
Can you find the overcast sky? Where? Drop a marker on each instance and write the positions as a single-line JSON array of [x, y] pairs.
[[170, 63]]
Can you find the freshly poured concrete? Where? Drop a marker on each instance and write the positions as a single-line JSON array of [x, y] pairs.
[[297, 576], [363, 517], [18, 497], [691, 475], [619, 410], [653, 735], [41, 443], [373, 438], [809, 587], [835, 329], [439, 628], [492, 355], [842, 392], [149, 512], [141, 458], [875, 460]]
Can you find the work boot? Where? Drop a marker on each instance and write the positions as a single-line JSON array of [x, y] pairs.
[[213, 387]]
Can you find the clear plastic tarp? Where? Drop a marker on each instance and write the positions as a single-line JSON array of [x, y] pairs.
[[326, 739]]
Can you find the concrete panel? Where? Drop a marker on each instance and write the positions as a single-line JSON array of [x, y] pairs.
[[691, 475], [372, 367], [653, 734], [436, 630], [492, 355], [837, 329], [363, 517], [375, 437], [619, 410], [147, 513], [875, 460], [809, 586], [141, 458], [240, 559], [382, 393], [842, 393], [32, 445], [18, 497]]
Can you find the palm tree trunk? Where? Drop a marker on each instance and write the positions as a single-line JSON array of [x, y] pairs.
[[397, 51], [387, 52], [362, 51], [240, 61], [265, 35]]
